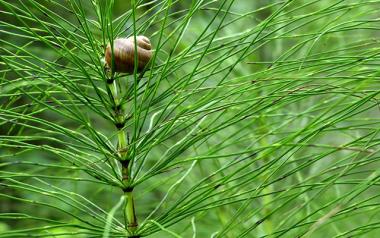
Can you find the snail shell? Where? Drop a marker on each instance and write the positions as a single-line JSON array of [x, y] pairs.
[[124, 49]]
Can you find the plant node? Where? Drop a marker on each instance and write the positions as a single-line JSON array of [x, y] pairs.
[[120, 125], [128, 189], [110, 80], [124, 163]]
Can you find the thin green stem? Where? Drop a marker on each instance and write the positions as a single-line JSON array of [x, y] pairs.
[[122, 144], [130, 219], [130, 212]]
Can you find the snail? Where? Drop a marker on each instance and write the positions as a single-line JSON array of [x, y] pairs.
[[123, 50]]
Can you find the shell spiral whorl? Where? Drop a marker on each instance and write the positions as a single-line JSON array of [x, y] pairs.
[[123, 49]]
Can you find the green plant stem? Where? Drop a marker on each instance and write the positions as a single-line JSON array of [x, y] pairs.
[[122, 144], [130, 218], [129, 211]]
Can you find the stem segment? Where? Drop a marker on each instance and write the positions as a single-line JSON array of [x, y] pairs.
[[129, 211]]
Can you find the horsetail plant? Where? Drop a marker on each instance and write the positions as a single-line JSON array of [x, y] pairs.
[[221, 118]]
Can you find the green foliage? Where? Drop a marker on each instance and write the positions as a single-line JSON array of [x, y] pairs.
[[255, 119]]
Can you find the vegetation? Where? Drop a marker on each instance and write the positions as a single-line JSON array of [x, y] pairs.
[[254, 119]]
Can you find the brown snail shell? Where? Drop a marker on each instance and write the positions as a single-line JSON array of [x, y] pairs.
[[124, 49]]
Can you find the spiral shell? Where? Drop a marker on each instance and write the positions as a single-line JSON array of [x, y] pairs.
[[124, 49]]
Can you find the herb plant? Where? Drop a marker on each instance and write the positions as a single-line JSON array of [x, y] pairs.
[[252, 119]]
